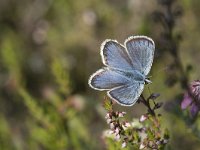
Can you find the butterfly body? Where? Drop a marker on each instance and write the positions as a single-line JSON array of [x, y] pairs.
[[126, 69]]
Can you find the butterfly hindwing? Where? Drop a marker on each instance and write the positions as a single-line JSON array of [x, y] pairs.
[[114, 55], [127, 94]]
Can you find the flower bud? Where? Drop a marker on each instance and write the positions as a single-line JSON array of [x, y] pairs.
[[126, 125], [110, 132], [142, 146], [107, 116], [154, 96], [158, 142], [117, 130], [165, 141], [121, 114], [143, 118], [112, 126], [109, 121], [117, 137], [123, 144]]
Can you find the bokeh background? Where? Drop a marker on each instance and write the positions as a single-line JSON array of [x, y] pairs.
[[48, 50]]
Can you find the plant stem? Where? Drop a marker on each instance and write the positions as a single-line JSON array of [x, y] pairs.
[[147, 104], [169, 22]]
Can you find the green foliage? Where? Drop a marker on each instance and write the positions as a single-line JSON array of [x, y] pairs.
[[10, 55], [61, 76], [107, 104], [6, 141], [51, 128]]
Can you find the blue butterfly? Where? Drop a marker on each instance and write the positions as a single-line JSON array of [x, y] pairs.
[[126, 69]]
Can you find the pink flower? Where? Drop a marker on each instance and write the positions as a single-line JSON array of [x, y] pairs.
[[126, 125], [123, 144], [107, 116], [117, 137], [121, 114], [109, 121], [117, 130], [142, 146], [143, 118], [192, 98], [112, 126]]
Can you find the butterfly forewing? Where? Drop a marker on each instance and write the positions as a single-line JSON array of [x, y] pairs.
[[114, 55], [141, 51]]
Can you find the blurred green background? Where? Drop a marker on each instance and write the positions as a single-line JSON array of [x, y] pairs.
[[48, 50]]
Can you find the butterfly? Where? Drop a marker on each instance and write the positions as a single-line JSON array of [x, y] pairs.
[[126, 68]]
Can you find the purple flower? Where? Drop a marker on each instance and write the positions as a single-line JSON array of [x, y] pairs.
[[192, 98]]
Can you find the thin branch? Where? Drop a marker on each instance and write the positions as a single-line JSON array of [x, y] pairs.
[[147, 104]]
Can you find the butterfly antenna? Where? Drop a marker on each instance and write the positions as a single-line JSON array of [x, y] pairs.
[[149, 90], [161, 70]]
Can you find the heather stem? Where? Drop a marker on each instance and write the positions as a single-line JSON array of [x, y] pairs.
[[147, 104], [169, 22]]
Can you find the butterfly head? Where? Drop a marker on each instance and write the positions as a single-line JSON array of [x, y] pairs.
[[147, 80]]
